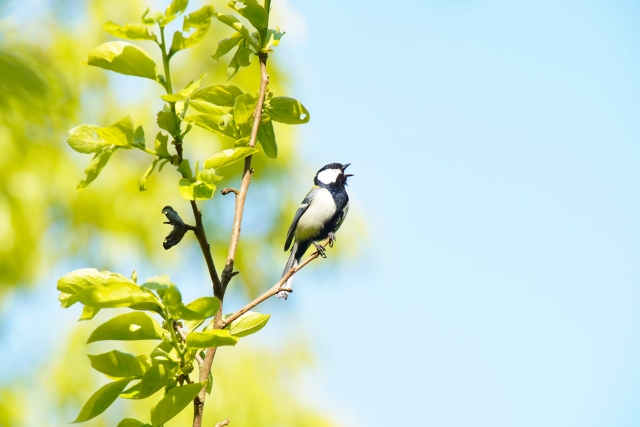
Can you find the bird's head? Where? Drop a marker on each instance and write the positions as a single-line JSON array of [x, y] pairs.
[[332, 175]]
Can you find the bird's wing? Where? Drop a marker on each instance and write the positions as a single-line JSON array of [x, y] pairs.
[[301, 209], [342, 217]]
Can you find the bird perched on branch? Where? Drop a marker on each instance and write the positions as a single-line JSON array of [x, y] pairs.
[[318, 218]]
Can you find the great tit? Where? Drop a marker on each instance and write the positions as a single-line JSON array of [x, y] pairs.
[[319, 216]]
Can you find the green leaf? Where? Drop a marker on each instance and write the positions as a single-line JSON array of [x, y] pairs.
[[222, 95], [173, 11], [185, 169], [197, 190], [123, 58], [150, 18], [129, 31], [267, 138], [244, 55], [242, 142], [244, 108], [101, 400], [168, 121], [115, 294], [142, 184], [162, 149], [209, 109], [210, 338], [88, 313], [198, 21], [225, 45], [152, 381], [273, 39], [98, 162], [211, 122], [184, 93], [117, 364], [128, 327], [84, 139], [131, 422], [234, 65], [158, 282], [234, 23], [171, 296], [138, 137], [201, 308], [208, 175], [287, 110], [252, 11], [120, 133], [229, 156], [249, 323], [174, 402], [71, 284]]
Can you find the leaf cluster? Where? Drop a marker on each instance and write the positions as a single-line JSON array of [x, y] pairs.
[[223, 109], [171, 361]]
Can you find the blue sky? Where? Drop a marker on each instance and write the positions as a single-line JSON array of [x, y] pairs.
[[495, 151], [495, 148]]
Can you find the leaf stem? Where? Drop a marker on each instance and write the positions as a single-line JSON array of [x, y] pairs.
[[165, 63]]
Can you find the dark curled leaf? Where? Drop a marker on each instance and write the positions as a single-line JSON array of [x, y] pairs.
[[179, 227]]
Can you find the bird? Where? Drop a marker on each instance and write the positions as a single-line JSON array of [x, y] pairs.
[[318, 217]]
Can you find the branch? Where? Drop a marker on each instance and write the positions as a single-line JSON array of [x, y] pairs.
[[206, 251], [220, 286], [246, 176], [274, 289], [223, 423]]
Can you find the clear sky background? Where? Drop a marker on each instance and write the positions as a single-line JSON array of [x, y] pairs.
[[495, 147]]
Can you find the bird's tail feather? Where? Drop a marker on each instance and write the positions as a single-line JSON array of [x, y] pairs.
[[292, 262]]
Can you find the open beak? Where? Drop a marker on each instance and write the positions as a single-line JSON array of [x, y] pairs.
[[343, 168]]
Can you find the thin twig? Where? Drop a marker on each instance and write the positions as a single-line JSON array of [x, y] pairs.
[[223, 423], [274, 289], [226, 191]]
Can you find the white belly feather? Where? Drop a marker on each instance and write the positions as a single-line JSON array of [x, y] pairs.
[[319, 212]]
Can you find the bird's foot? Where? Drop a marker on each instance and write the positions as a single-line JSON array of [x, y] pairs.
[[284, 293], [320, 249], [332, 239]]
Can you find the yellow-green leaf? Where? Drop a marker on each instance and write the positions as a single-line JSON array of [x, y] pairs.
[[249, 323], [129, 31], [210, 338], [123, 58], [173, 402], [227, 157], [128, 327], [184, 93], [196, 25], [101, 400]]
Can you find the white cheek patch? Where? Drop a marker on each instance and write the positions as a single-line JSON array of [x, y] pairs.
[[329, 176]]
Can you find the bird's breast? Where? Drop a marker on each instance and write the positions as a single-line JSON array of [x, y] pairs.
[[321, 210]]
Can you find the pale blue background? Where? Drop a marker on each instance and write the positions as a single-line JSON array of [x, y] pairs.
[[495, 148], [496, 152]]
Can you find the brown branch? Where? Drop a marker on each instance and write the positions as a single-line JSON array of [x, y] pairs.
[[206, 251], [274, 289], [246, 176], [220, 286], [226, 191]]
